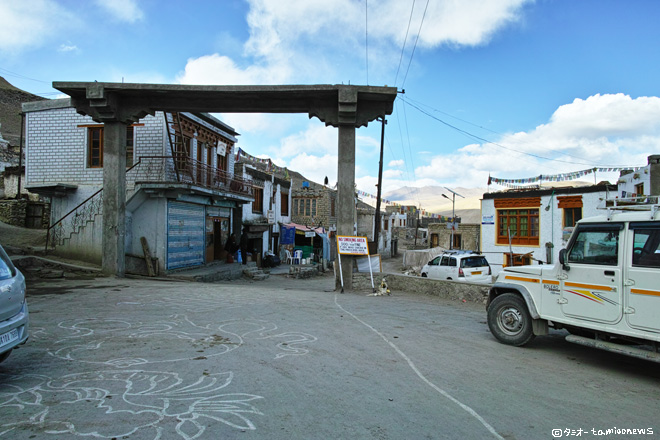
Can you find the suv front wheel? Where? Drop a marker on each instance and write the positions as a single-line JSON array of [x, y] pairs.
[[509, 320]]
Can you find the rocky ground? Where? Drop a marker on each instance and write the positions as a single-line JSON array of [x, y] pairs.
[[22, 238]]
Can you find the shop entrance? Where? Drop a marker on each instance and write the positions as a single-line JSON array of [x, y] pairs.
[[217, 233]]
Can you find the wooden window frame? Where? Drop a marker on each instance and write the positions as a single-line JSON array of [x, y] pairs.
[[258, 204], [284, 204], [639, 189], [525, 219], [457, 241], [570, 219], [518, 259], [95, 147], [130, 144]]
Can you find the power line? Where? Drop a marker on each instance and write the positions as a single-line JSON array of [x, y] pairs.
[[405, 40], [366, 35], [415, 46], [18, 75], [480, 126], [500, 145], [412, 164]]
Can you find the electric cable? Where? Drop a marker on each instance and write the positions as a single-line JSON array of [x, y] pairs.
[[405, 40], [415, 45], [479, 138]]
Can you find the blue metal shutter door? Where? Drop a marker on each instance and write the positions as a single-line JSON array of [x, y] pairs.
[[185, 235]]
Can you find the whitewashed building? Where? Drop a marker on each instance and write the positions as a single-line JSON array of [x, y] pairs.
[[644, 181], [182, 197], [531, 226], [269, 210]]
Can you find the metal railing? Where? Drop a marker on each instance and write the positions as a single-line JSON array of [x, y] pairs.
[[162, 169]]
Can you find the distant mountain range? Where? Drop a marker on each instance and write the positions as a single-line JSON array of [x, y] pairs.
[[431, 199]]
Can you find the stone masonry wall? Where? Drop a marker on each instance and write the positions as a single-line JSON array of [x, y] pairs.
[[12, 212], [454, 290], [469, 235]]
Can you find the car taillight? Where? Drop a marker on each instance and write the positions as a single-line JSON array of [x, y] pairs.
[[460, 272]]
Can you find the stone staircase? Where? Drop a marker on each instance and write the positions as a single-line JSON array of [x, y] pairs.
[[254, 273]]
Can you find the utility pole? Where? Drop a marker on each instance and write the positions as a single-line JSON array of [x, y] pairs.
[[20, 157], [453, 213], [380, 183]]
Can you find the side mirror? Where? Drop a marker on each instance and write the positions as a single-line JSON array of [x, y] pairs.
[[563, 261]]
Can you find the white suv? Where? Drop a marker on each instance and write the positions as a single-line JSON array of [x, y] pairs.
[[605, 290], [458, 266]]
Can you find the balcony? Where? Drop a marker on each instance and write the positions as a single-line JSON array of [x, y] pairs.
[[149, 170]]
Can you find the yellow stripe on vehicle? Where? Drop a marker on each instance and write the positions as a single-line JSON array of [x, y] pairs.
[[553, 282], [645, 292], [588, 286], [529, 280]]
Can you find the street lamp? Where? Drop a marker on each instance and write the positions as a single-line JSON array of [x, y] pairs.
[[453, 215]]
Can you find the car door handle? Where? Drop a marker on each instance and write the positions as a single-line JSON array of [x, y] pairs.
[[609, 273]]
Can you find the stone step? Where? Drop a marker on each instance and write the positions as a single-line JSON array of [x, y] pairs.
[[255, 274]]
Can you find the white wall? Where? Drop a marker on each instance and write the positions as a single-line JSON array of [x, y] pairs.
[[550, 229], [627, 182]]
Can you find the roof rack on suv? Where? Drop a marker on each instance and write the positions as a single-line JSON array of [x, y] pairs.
[[640, 203], [460, 252]]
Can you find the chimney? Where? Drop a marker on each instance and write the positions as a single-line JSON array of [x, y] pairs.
[[654, 170]]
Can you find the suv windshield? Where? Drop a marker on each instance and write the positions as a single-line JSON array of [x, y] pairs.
[[477, 261], [6, 267]]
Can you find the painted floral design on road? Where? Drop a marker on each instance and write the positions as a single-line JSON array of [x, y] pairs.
[[114, 404], [175, 338]]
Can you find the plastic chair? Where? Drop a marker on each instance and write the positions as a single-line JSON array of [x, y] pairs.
[[297, 256], [289, 258]]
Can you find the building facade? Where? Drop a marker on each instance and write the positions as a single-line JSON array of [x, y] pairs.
[[532, 226], [264, 216], [183, 200], [314, 205], [644, 181], [465, 237]]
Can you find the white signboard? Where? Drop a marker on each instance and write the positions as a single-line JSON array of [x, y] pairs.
[[310, 234], [222, 148], [352, 245], [270, 215], [488, 219], [363, 264]]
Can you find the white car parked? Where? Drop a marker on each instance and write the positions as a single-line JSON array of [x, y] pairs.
[[13, 308], [459, 266]]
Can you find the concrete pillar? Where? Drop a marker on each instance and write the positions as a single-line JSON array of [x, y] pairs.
[[654, 165], [346, 197], [114, 198]]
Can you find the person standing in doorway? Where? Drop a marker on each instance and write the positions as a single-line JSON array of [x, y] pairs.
[[244, 245]]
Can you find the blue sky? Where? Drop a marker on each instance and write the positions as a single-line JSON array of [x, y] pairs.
[[508, 88]]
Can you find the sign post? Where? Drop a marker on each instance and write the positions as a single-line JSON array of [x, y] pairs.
[[353, 246]]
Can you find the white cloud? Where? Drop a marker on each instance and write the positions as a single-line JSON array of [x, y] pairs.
[[68, 48], [122, 10], [316, 168], [602, 130], [317, 139], [27, 24], [297, 41], [398, 163], [392, 174], [222, 70]]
